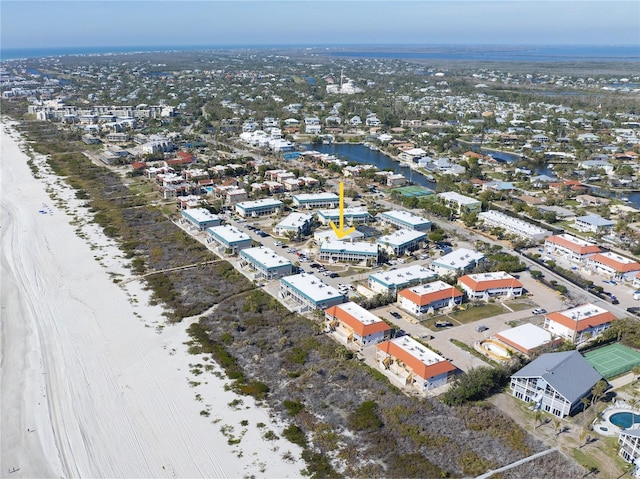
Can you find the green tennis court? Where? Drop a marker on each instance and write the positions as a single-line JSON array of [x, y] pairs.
[[613, 360], [413, 190]]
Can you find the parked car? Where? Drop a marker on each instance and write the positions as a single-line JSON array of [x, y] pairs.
[[539, 311], [443, 324], [333, 275], [481, 328], [396, 315]]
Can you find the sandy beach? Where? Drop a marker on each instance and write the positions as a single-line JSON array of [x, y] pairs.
[[93, 383]]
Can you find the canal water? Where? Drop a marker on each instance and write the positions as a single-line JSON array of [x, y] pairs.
[[358, 153], [361, 154]]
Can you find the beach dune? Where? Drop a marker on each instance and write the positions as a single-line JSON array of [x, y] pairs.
[[89, 387]]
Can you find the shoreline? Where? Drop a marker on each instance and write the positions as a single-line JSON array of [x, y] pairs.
[[94, 382]]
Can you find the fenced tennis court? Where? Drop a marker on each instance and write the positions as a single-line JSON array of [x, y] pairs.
[[613, 360]]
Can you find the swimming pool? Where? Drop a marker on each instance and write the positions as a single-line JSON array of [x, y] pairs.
[[624, 420]]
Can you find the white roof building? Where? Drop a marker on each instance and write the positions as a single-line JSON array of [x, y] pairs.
[[309, 292], [457, 261], [266, 262], [401, 241], [526, 338], [394, 280], [513, 225], [406, 220]]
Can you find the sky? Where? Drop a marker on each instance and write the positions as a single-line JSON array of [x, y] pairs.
[[89, 23]]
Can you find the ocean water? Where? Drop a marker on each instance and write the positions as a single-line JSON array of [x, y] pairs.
[[518, 53]]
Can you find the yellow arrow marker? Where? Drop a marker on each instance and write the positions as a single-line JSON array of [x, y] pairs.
[[341, 233]]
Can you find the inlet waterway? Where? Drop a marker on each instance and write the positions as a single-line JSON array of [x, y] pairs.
[[358, 153]]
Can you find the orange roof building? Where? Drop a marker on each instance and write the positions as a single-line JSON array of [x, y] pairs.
[[569, 247], [428, 297], [413, 364], [488, 285], [580, 323], [352, 323], [613, 265]]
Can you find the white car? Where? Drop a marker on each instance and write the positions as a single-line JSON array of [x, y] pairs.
[[539, 311]]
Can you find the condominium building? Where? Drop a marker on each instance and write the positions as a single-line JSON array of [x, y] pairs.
[[309, 292], [613, 265], [413, 364], [489, 285], [629, 440], [266, 263], [460, 203], [296, 224], [230, 238], [316, 200], [344, 251], [402, 241], [391, 281], [351, 216], [514, 226], [580, 323], [200, 218], [405, 220], [354, 324], [261, 207], [457, 262], [570, 248], [426, 298]]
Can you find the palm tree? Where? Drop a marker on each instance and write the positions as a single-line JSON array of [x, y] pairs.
[[556, 427], [537, 418]]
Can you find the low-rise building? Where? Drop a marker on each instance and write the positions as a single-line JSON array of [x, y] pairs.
[[405, 220], [613, 265], [316, 200], [266, 263], [296, 224], [527, 338], [261, 207], [323, 236], [228, 238], [555, 382], [570, 248], [485, 286], [200, 218], [401, 241], [351, 216], [457, 262], [426, 298], [309, 292], [337, 251], [580, 323], [391, 281], [356, 325], [514, 226], [460, 203], [413, 364], [593, 224]]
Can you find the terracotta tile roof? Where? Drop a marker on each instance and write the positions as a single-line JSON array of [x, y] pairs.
[[576, 248], [360, 328], [477, 284], [618, 266], [416, 365], [582, 324], [424, 299]]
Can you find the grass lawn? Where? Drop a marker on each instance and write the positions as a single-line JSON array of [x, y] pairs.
[[519, 305], [585, 460], [476, 312]]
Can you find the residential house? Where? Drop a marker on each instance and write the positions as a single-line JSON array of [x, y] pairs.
[[593, 224], [295, 224], [629, 440], [555, 382]]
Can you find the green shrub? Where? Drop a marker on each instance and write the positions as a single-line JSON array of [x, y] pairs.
[[365, 417], [293, 407]]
